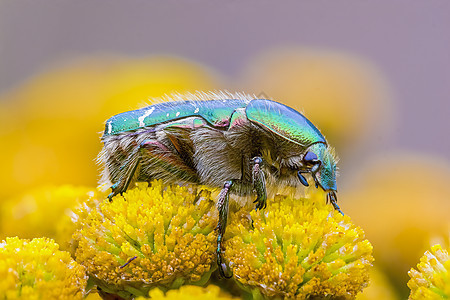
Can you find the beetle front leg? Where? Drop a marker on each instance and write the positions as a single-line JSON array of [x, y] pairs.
[[259, 183], [331, 197], [222, 206]]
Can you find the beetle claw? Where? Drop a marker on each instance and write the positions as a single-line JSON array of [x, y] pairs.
[[110, 196], [260, 203], [115, 190], [331, 197], [224, 269]]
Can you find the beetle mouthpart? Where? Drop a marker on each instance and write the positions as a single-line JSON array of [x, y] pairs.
[[315, 168], [302, 179], [314, 171], [316, 181]]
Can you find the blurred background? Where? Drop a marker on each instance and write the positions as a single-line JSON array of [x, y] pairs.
[[373, 76]]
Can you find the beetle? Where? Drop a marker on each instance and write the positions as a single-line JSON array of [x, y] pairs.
[[236, 142]]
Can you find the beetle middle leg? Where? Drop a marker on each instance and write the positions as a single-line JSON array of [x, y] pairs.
[[222, 206], [259, 183]]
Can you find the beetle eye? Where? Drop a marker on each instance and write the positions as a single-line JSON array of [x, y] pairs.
[[310, 157]]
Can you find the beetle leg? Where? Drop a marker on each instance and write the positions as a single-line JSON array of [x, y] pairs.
[[222, 206], [331, 196], [259, 183]]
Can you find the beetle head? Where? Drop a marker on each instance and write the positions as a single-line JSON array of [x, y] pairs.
[[320, 162]]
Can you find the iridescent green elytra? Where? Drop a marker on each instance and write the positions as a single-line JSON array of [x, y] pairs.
[[245, 145]]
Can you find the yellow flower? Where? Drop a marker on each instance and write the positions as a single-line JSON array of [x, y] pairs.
[[190, 292], [431, 280], [36, 269], [157, 236], [28, 216], [298, 248]]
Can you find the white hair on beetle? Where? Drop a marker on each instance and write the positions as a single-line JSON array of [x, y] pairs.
[[203, 96]]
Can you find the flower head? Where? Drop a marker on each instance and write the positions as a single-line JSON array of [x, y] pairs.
[[160, 236], [431, 280], [36, 269], [298, 248]]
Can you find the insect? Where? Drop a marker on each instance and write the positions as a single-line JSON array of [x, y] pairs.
[[244, 145]]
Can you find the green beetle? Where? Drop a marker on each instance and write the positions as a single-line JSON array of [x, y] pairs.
[[243, 144]]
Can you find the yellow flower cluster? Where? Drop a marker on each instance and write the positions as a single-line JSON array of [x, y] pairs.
[[431, 280], [298, 248], [160, 236], [163, 236], [36, 269]]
